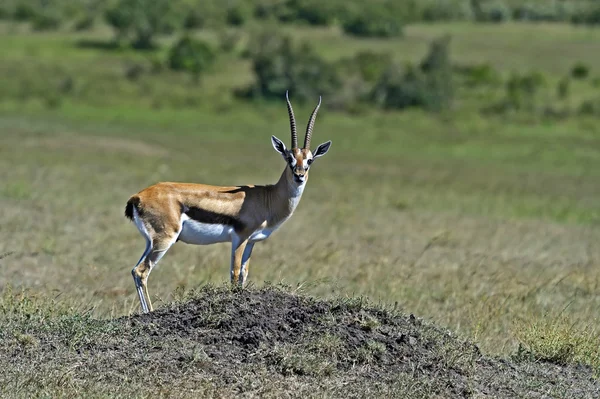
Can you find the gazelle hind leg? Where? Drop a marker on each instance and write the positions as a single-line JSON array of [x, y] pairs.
[[134, 272], [138, 288], [159, 249]]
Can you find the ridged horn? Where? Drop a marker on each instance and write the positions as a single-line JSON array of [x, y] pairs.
[[292, 121], [311, 125]]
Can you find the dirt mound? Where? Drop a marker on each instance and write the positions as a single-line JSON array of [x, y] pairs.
[[270, 343]]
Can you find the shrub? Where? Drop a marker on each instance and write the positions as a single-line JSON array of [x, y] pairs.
[[24, 11], [428, 86], [563, 88], [238, 14], [479, 75], [398, 90], [490, 11], [84, 23], [273, 9], [543, 11], [587, 16], [141, 20], [521, 90], [315, 12], [444, 10], [590, 107], [373, 22], [191, 55], [229, 40], [580, 71], [134, 71], [47, 20], [193, 20], [279, 64], [359, 75], [371, 65]]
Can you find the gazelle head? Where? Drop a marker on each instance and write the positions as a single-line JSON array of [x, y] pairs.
[[300, 159]]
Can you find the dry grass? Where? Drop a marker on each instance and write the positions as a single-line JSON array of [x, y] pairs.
[[488, 227], [398, 240]]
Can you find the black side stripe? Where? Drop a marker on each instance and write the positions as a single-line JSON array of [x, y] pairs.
[[210, 217]]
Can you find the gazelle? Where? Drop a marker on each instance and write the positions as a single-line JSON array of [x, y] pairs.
[[200, 214]]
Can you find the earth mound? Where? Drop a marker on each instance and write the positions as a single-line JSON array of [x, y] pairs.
[[269, 342]]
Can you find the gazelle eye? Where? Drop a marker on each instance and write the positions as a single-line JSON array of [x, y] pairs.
[[309, 161]]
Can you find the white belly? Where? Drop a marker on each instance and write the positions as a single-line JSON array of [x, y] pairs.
[[197, 233]]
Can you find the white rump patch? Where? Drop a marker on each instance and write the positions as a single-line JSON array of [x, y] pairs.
[[142, 228]]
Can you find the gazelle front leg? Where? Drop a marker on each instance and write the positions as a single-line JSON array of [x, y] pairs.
[[238, 246], [246, 263]]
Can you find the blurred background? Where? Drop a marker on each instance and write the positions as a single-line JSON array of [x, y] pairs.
[[462, 183]]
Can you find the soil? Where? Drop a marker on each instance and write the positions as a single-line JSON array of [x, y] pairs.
[[272, 343]]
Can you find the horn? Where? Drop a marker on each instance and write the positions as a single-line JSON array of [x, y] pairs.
[[292, 121], [311, 124]]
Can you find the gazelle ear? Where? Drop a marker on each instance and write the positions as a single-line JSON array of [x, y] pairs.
[[278, 145], [322, 149]]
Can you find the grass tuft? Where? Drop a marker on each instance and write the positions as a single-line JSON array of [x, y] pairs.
[[558, 339]]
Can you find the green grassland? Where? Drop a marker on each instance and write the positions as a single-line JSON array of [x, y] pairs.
[[486, 225]]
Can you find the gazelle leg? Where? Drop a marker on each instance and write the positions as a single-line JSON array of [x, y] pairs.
[[238, 245], [142, 271], [246, 263], [137, 280]]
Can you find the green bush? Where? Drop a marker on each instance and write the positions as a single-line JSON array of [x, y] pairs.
[[587, 16], [445, 10], [312, 12], [273, 9], [191, 55], [590, 107], [4, 12], [521, 90], [84, 23], [140, 21], [315, 12], [563, 88], [479, 75], [238, 14], [371, 65], [490, 11], [193, 20], [359, 74], [429, 86], [229, 40], [373, 22], [543, 11], [279, 64], [47, 20], [24, 11], [580, 71]]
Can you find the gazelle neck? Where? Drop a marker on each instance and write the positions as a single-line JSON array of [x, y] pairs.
[[288, 186], [288, 190]]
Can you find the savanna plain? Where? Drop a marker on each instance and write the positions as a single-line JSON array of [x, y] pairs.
[[482, 225]]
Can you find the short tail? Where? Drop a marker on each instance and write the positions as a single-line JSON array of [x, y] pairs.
[[133, 202]]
